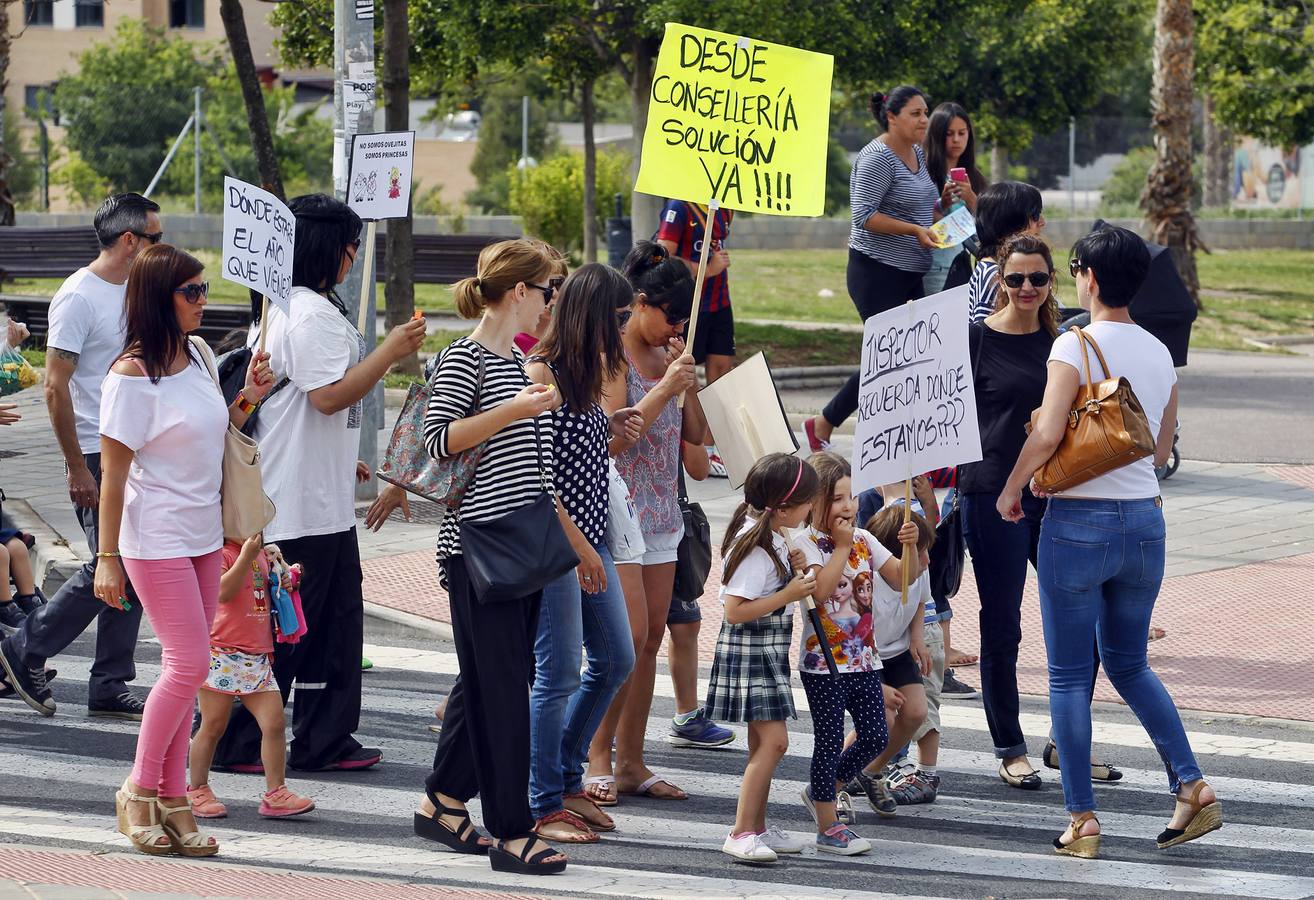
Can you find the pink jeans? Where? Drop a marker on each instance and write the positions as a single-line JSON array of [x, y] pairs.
[[179, 597]]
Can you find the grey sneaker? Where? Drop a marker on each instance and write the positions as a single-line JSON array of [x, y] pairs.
[[28, 684], [956, 690], [11, 614], [124, 706]]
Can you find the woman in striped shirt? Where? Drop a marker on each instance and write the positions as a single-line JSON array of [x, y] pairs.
[[484, 748], [894, 203]]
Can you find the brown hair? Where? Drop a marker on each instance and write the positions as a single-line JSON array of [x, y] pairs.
[[776, 481], [885, 525], [1028, 243], [583, 341], [831, 468], [152, 331], [501, 267]]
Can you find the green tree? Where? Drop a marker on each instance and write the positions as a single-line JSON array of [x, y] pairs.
[[499, 133], [550, 196], [1254, 59]]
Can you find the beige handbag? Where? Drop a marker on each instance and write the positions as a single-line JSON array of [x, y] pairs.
[[1107, 429], [246, 509]]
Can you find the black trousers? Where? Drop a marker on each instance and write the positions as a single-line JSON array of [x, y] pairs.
[[874, 288], [484, 748], [52, 627], [1000, 552], [324, 667]]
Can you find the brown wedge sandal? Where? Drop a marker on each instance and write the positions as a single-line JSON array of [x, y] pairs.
[[1085, 847], [1207, 818]]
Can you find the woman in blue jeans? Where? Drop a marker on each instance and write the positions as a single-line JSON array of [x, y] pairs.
[[1101, 550], [581, 349]]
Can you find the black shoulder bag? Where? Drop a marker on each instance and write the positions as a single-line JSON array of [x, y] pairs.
[[520, 552], [693, 559]]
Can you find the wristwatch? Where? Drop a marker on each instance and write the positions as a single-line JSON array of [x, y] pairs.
[[244, 404]]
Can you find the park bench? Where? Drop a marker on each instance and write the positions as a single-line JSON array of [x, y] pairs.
[[442, 258], [45, 252], [34, 312]]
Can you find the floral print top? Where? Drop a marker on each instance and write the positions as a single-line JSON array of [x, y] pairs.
[[847, 615], [651, 467]]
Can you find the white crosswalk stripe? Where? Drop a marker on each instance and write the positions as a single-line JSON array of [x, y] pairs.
[[979, 837]]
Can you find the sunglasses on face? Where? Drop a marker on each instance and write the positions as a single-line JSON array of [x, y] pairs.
[[193, 293], [549, 290], [1016, 279], [151, 237]]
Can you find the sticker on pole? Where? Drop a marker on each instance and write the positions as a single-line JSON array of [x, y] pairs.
[[259, 234], [916, 400], [379, 184], [738, 119]]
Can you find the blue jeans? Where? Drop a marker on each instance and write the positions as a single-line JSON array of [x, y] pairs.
[[1100, 564], [565, 708]]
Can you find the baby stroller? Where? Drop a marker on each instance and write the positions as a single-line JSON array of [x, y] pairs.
[[1163, 307]]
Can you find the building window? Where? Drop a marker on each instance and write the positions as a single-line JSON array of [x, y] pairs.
[[186, 13], [89, 13], [41, 97], [39, 12]]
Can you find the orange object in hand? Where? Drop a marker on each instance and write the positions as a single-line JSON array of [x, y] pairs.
[[419, 314]]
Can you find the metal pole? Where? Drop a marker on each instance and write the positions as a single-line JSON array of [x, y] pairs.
[[196, 150], [1072, 165], [45, 160], [524, 131], [168, 157], [353, 60]]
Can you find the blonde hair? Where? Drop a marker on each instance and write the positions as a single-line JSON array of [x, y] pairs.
[[501, 267]]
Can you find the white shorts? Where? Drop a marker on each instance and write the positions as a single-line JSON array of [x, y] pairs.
[[660, 548]]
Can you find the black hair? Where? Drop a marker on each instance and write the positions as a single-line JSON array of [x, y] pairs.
[[882, 106], [1119, 259], [583, 341], [1003, 209], [325, 228], [936, 164], [119, 214], [663, 280]]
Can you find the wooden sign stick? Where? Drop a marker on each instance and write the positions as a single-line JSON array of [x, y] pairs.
[[264, 320], [906, 557], [712, 206], [366, 275]]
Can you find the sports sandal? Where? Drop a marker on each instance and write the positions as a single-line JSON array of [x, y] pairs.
[[566, 827], [193, 843], [1083, 846], [582, 805], [464, 838], [522, 863], [601, 790], [145, 838], [1206, 818]]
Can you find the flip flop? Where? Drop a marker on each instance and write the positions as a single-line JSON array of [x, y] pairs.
[[564, 827], [587, 810], [645, 789], [961, 660], [608, 785]]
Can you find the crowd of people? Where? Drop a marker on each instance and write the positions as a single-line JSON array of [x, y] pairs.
[[573, 386]]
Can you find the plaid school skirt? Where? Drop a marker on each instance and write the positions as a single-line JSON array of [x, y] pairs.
[[750, 674]]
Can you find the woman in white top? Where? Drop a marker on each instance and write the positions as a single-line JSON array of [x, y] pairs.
[[309, 434], [1101, 554], [162, 425]]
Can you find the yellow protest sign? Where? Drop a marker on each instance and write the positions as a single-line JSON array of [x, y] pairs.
[[740, 120]]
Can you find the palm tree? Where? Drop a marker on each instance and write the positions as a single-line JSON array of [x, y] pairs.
[[1168, 188]]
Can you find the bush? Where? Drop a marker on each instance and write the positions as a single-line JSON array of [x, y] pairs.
[[1123, 189], [550, 196], [83, 183]]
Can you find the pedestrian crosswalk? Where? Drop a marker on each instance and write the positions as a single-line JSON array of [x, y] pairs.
[[980, 838]]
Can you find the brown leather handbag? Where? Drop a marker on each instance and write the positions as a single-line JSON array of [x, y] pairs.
[[1107, 429]]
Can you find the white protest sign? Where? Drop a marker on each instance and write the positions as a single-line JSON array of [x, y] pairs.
[[379, 186], [744, 411], [916, 402], [259, 234]]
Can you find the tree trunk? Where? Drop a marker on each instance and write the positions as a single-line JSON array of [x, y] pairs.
[[399, 271], [7, 212], [1217, 158], [590, 174], [998, 163], [644, 208], [1167, 195], [253, 96]]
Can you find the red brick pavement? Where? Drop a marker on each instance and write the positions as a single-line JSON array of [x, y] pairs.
[[1237, 638], [1301, 475], [124, 872]]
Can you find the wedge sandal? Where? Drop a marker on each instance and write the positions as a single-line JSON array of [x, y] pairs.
[[525, 863], [1083, 847], [145, 838], [1206, 818], [194, 843], [464, 838]]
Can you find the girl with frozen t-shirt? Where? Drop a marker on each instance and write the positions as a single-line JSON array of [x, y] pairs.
[[845, 561]]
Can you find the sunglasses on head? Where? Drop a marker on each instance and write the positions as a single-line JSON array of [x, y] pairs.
[[193, 293], [1017, 279]]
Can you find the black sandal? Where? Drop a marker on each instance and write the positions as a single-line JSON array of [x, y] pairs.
[[503, 860], [465, 838], [1099, 771]]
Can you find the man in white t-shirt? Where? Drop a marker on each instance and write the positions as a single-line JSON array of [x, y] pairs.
[[85, 337]]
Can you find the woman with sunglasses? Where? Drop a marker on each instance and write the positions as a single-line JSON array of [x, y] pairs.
[[658, 370], [162, 425], [309, 434]]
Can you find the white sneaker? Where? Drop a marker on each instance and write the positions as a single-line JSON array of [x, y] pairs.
[[781, 841], [748, 848]]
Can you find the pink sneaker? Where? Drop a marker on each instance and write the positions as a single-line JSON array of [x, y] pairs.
[[815, 444], [281, 803], [205, 805]]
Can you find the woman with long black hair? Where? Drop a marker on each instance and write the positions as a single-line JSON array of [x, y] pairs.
[[951, 145], [309, 434]]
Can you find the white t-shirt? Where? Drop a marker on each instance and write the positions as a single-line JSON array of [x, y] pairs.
[[756, 576], [176, 430], [86, 318], [891, 617], [1141, 358], [308, 459], [847, 614]]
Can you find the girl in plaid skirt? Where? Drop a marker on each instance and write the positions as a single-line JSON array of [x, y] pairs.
[[750, 673]]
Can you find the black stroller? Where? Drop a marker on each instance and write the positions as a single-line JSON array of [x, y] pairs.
[[1163, 307]]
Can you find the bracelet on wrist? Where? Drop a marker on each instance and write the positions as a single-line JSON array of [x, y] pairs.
[[107, 554], [245, 405]]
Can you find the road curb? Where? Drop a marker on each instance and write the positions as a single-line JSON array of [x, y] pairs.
[[53, 561], [432, 627]]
